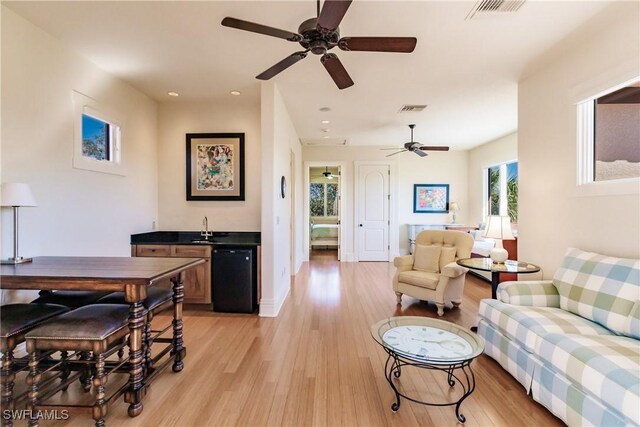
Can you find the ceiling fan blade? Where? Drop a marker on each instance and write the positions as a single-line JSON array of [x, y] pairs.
[[261, 29], [336, 70], [282, 65], [397, 152], [420, 153], [395, 148], [332, 13], [433, 148], [378, 44]]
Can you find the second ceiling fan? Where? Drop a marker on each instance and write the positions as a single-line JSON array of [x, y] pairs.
[[416, 147], [321, 34]]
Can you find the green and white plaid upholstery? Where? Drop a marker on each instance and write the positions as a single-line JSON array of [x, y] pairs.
[[511, 356], [525, 325], [632, 328], [536, 293], [606, 367], [600, 288], [570, 404]]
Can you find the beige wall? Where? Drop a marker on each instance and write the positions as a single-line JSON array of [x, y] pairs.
[[175, 120], [79, 212], [279, 140], [553, 213], [492, 153], [438, 168]]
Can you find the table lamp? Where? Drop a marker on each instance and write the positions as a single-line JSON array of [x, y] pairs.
[[16, 195], [499, 228], [453, 207]]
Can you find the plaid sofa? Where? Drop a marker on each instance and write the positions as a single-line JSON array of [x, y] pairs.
[[573, 342]]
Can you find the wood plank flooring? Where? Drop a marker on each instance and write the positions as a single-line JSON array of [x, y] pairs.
[[317, 365]]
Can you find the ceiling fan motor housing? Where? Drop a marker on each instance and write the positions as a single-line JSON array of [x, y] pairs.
[[315, 40]]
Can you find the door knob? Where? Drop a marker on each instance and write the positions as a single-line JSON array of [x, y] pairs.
[[360, 225]]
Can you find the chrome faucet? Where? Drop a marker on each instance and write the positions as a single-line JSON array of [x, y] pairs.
[[206, 233]]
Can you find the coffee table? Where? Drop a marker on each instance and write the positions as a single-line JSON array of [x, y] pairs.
[[426, 343], [509, 266]]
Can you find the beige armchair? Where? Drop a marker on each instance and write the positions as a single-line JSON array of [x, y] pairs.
[[431, 273]]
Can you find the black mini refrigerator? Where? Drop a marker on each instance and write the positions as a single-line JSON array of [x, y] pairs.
[[234, 281]]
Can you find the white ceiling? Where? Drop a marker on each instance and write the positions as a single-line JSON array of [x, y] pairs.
[[465, 70]]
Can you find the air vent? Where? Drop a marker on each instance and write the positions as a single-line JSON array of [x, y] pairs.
[[412, 108], [483, 7], [324, 141]]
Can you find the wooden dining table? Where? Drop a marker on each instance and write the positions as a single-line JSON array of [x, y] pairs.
[[116, 274]]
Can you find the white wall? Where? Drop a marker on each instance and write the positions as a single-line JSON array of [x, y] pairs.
[[553, 214], [438, 168], [175, 120], [79, 212], [279, 139], [492, 153]]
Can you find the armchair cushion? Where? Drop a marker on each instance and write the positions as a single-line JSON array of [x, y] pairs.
[[423, 279], [427, 258], [447, 256]]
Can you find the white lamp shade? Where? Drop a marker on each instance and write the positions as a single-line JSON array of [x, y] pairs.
[[453, 207], [16, 194], [499, 227]]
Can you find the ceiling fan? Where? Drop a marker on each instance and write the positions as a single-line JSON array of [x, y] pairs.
[[321, 34], [327, 174], [416, 147]]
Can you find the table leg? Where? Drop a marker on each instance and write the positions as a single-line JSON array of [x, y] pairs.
[[495, 281], [134, 395], [179, 351]]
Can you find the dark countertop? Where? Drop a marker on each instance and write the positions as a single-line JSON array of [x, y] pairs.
[[219, 238]]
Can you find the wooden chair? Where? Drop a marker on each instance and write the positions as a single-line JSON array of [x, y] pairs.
[[98, 328], [15, 321]]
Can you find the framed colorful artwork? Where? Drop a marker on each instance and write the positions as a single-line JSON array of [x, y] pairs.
[[215, 166], [430, 198]]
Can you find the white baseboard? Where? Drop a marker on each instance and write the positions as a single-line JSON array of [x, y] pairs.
[[270, 307]]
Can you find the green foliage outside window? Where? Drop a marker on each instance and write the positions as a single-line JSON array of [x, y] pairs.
[[332, 198], [316, 199]]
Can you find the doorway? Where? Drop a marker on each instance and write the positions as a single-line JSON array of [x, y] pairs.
[[323, 211]]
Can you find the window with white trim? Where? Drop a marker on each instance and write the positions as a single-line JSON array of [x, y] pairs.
[[97, 137], [323, 199], [609, 135], [502, 190]]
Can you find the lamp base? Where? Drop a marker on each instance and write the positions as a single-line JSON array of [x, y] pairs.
[[499, 255], [15, 261]]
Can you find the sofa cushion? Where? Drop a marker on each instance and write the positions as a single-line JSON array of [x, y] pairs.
[[447, 256], [632, 327], [603, 366], [423, 279], [600, 288], [427, 258], [526, 325]]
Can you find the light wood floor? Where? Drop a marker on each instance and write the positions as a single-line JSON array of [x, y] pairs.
[[317, 365]]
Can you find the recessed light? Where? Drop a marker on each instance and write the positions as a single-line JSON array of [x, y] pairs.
[[325, 122], [235, 92], [173, 93], [325, 137], [325, 109]]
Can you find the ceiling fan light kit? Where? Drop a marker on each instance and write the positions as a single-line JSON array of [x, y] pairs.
[[416, 147], [321, 34]]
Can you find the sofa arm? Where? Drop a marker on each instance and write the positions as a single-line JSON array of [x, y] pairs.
[[534, 293], [453, 270], [404, 262]]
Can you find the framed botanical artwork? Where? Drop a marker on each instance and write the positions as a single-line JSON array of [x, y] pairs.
[[431, 198], [215, 166]]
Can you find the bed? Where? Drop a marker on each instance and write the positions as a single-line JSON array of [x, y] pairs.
[[324, 232]]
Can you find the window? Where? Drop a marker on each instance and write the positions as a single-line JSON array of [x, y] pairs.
[[97, 137], [323, 199], [609, 135], [502, 184]]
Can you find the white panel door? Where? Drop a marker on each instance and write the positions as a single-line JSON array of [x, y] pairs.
[[373, 213]]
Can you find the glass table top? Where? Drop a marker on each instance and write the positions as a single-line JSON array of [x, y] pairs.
[[509, 266], [427, 340]]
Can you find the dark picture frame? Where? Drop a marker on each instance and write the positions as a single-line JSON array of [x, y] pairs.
[[215, 166], [431, 198]]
